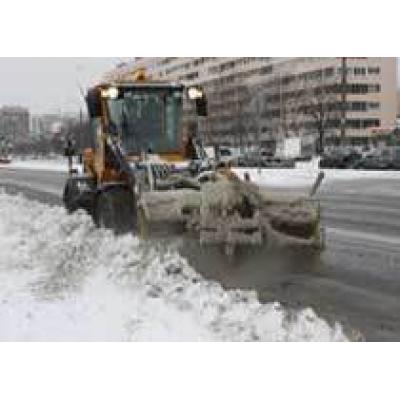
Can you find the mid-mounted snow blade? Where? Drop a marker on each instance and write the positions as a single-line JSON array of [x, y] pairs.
[[115, 209], [235, 217]]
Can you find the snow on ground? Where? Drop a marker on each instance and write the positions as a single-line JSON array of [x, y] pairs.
[[302, 176], [283, 178], [59, 164], [62, 279], [305, 174]]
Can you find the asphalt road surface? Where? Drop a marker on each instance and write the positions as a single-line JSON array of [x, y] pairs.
[[357, 279]]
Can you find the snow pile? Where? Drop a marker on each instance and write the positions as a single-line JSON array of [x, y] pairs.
[[61, 279]]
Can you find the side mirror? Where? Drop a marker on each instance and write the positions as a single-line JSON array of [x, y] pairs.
[[69, 152], [69, 149], [93, 103], [202, 106], [197, 94]]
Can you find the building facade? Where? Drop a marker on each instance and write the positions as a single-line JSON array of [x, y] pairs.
[[398, 103], [265, 99], [14, 123], [36, 126]]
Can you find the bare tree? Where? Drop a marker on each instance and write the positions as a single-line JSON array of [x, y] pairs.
[[242, 118], [319, 101], [294, 117], [249, 114]]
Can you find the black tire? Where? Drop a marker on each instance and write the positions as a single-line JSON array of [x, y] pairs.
[[70, 195], [115, 209], [75, 198]]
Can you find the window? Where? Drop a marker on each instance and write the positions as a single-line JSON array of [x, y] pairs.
[[147, 120], [374, 105], [353, 123], [374, 70], [348, 71], [371, 123], [266, 70], [358, 88], [363, 123], [358, 106], [359, 71], [374, 88], [329, 72]]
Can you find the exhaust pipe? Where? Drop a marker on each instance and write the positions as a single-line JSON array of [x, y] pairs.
[[317, 183]]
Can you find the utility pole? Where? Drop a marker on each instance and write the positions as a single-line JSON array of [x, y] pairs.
[[80, 130], [343, 99], [240, 116], [259, 112]]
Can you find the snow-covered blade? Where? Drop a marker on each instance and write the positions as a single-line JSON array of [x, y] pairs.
[[62, 279]]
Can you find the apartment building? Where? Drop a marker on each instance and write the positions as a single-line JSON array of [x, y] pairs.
[[310, 94], [14, 122], [265, 99], [398, 103]]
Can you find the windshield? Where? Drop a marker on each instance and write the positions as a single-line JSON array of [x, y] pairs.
[[147, 120]]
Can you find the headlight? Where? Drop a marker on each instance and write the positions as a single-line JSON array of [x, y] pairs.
[[110, 93], [195, 93]]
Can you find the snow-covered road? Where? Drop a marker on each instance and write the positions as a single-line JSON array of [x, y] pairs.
[[303, 176], [62, 279], [57, 164]]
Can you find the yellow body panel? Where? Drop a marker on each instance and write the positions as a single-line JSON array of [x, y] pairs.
[[173, 157]]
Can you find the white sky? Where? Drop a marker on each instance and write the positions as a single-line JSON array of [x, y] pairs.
[[49, 84]]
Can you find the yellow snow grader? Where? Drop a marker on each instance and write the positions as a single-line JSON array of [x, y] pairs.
[[145, 172]]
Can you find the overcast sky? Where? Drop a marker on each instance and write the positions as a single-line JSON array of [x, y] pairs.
[[49, 84]]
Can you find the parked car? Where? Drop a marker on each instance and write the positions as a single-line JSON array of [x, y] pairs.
[[391, 155], [255, 158], [341, 158], [386, 159], [371, 162], [226, 156], [277, 162]]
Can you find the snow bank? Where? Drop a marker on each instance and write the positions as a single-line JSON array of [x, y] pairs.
[[62, 279], [352, 174], [305, 173], [283, 178]]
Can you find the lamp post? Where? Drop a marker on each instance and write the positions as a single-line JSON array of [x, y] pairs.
[[80, 134], [281, 106]]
